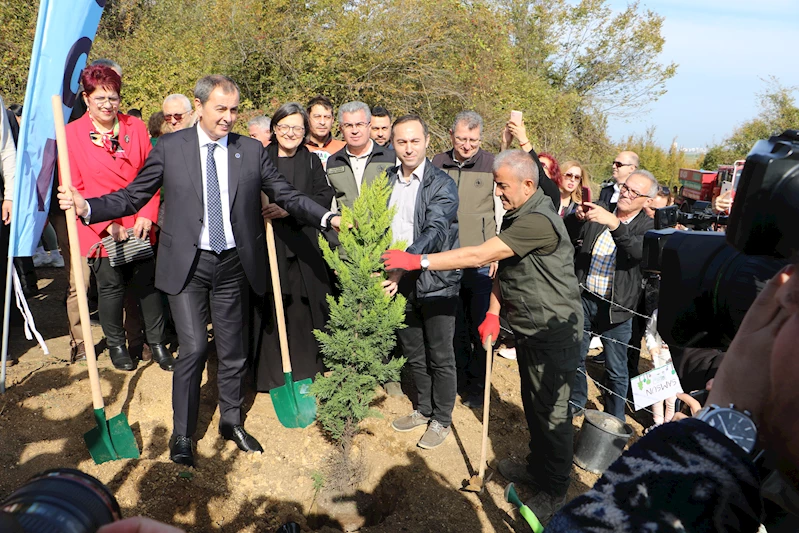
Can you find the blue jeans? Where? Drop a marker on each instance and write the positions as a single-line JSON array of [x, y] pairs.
[[469, 354], [617, 379]]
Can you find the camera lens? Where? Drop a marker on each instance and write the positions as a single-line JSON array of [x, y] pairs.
[[706, 288], [61, 500]]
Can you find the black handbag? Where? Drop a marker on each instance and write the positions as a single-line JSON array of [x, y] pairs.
[[124, 252]]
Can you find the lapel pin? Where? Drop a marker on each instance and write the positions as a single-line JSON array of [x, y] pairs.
[[238, 155], [127, 139]]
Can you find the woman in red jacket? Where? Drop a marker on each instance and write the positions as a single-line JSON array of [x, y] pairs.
[[106, 151]]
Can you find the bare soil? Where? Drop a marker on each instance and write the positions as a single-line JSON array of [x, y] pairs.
[[47, 409]]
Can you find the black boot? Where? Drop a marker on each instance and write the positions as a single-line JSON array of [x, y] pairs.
[[121, 358], [162, 356]]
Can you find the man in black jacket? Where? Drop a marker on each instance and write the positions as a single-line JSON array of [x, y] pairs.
[[426, 203], [608, 269], [623, 166], [211, 250]]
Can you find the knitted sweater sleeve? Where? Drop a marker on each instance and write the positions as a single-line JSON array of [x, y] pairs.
[[682, 476]]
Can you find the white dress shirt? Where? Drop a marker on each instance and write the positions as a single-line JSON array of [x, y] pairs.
[[403, 197], [358, 163], [221, 159], [616, 190]]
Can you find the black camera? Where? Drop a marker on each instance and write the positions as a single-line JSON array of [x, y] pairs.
[[56, 501], [709, 279], [696, 217]]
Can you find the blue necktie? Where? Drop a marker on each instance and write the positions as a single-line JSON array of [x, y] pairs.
[[216, 226]]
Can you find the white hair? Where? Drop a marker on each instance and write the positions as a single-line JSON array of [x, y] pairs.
[[182, 98], [261, 121], [653, 182], [354, 107], [520, 162]]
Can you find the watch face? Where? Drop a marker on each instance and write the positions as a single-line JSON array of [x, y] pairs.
[[738, 427]]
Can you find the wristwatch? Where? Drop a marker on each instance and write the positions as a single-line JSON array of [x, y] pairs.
[[736, 425], [424, 263]]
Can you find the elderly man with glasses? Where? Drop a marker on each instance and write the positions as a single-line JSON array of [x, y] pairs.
[[479, 216], [608, 269], [623, 166], [177, 112]]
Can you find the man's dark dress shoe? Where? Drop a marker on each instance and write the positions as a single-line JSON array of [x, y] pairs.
[[121, 358], [243, 440], [162, 356], [180, 450]]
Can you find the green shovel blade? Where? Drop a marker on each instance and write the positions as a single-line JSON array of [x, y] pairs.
[[111, 439], [294, 405], [529, 516]]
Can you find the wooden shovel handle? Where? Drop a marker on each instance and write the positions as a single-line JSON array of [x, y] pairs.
[[489, 348], [74, 255], [276, 290]]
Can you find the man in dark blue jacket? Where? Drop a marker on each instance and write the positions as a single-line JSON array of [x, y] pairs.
[[426, 203]]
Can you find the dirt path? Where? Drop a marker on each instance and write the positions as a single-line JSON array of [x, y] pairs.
[[47, 408]]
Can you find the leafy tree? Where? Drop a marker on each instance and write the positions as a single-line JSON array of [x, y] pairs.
[[363, 319], [608, 59], [567, 65], [18, 20], [778, 112], [665, 165]]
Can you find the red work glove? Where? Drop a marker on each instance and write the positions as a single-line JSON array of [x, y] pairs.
[[489, 328], [399, 260]]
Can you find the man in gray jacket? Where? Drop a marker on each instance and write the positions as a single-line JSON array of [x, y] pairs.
[[426, 203]]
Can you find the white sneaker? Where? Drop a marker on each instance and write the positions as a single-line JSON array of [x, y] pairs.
[[56, 259], [41, 258]]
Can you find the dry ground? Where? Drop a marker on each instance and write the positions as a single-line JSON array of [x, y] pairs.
[[47, 408]]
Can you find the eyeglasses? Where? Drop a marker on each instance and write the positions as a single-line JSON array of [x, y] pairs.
[[462, 140], [101, 101], [619, 164], [284, 129], [357, 125], [176, 116], [572, 177], [624, 189]]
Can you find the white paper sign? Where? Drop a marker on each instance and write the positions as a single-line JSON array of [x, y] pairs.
[[656, 385]]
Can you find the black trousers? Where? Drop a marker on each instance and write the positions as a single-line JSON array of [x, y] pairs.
[[137, 279], [427, 344], [546, 380], [217, 289]]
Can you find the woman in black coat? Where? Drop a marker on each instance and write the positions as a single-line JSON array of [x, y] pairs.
[[304, 276]]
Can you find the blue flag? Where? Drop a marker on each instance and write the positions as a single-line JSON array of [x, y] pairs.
[[65, 31]]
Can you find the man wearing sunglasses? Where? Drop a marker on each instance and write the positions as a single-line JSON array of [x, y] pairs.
[[623, 166], [177, 112], [608, 269]]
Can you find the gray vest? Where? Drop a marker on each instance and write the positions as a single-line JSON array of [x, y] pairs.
[[540, 292]]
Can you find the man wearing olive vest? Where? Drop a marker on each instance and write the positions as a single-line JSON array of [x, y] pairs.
[[361, 159], [537, 286], [479, 215]]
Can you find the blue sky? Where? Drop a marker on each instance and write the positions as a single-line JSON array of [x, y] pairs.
[[724, 49]]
